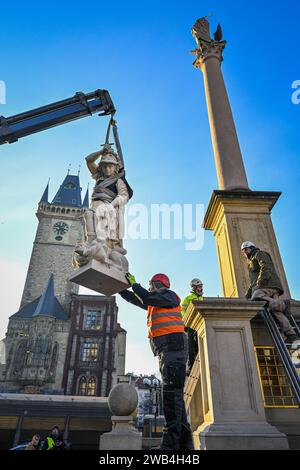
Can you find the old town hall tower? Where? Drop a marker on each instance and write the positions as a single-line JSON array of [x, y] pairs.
[[60, 228], [60, 342]]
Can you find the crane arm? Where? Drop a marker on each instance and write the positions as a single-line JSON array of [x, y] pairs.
[[80, 105]]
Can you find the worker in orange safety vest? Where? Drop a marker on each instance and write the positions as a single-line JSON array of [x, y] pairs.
[[169, 343]]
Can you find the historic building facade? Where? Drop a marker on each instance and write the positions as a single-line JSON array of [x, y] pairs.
[[96, 346], [60, 342]]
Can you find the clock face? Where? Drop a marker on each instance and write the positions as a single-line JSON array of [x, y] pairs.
[[60, 229]]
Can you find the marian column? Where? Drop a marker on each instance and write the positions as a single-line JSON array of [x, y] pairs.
[[235, 213], [229, 162]]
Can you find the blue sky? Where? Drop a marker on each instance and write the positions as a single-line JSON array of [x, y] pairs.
[[139, 51]]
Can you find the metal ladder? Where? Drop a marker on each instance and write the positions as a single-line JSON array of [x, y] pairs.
[[282, 349], [191, 382]]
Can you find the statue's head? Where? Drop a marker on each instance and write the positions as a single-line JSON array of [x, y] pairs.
[[109, 164]]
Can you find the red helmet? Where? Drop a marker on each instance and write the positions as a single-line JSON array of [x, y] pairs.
[[161, 278]]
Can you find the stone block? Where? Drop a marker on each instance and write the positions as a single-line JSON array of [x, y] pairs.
[[242, 436], [100, 278], [123, 436]]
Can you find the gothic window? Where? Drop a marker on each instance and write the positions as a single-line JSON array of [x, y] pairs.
[[92, 320], [54, 358], [10, 355], [82, 386], [91, 388], [38, 358], [46, 345], [90, 350], [20, 357], [70, 186], [38, 345]]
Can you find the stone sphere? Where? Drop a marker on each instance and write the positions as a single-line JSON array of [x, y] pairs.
[[123, 400]]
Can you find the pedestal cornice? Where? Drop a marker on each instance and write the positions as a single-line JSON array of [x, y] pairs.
[[239, 202], [221, 309]]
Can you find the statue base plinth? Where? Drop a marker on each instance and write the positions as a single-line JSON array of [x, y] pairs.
[[100, 278]]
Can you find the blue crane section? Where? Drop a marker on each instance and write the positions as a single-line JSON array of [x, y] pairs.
[[80, 105]]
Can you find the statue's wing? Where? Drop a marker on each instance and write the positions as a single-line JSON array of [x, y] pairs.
[[201, 30], [218, 34]]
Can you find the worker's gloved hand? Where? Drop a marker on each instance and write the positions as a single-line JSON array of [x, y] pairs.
[[130, 278]]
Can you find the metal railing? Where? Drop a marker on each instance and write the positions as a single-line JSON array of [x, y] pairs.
[[283, 351]]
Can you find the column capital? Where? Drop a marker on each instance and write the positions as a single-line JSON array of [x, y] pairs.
[[207, 47], [207, 50]]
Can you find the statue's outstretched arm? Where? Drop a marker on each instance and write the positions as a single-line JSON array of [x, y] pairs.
[[90, 161]]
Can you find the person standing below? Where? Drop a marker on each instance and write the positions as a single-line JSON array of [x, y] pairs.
[[195, 294], [169, 343], [266, 285], [54, 441], [34, 443]]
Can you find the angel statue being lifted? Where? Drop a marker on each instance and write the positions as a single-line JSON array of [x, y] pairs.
[[104, 220]]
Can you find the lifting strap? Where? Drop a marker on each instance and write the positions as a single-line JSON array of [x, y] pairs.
[[112, 123]]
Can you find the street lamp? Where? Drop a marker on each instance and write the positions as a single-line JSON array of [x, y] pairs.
[[156, 384]]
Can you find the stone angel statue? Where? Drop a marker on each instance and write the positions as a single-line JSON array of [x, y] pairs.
[[104, 220], [201, 32]]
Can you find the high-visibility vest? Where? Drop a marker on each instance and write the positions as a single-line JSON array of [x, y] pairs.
[[164, 321], [51, 443]]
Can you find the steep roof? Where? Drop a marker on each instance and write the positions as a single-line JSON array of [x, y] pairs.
[[69, 193], [86, 202], [47, 305], [45, 194], [27, 311]]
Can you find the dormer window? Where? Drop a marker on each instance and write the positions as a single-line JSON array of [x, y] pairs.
[[70, 186]]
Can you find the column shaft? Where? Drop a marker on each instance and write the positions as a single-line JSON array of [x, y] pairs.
[[229, 162]]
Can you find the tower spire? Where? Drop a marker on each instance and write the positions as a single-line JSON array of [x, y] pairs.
[[86, 198], [45, 195], [69, 193], [46, 303]]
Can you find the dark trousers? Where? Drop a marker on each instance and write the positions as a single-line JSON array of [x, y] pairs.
[[177, 432]]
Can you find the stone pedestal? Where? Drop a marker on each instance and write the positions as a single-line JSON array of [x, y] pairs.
[[122, 401], [237, 216], [100, 278], [123, 436], [227, 410]]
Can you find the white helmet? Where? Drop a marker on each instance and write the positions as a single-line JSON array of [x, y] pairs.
[[196, 282], [247, 245]]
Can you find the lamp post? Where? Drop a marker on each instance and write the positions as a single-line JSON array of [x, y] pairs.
[[154, 389], [156, 384]]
